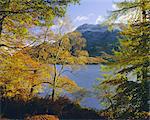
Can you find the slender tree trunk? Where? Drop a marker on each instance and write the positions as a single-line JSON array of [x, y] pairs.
[[145, 43], [145, 65], [54, 83], [3, 16], [1, 24], [145, 82]]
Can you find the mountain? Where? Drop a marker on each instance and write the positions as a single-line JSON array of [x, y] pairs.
[[99, 38]]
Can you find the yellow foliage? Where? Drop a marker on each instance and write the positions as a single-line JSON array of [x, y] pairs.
[[19, 73], [67, 84]]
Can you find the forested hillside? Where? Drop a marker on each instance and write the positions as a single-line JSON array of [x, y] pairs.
[[100, 38]]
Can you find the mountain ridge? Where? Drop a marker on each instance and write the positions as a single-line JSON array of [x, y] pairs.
[[99, 38]]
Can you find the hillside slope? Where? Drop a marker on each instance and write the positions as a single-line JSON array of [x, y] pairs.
[[99, 38]]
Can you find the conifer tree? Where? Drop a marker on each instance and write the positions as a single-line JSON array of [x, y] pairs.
[[130, 66]]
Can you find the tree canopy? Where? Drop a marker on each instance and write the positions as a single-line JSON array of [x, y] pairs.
[[129, 68], [21, 75]]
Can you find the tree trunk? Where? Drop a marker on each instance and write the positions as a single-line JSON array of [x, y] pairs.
[[145, 82], [1, 24], [3, 16], [54, 82]]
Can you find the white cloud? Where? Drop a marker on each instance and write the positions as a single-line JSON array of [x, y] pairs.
[[81, 18], [114, 6], [84, 18], [99, 20]]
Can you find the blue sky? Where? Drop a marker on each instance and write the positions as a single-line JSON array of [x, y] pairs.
[[90, 11]]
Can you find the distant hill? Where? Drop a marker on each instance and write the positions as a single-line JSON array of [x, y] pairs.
[[99, 38]]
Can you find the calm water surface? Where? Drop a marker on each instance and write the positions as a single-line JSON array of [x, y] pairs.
[[86, 77]]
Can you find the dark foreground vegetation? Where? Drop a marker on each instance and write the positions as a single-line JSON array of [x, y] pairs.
[[63, 108]]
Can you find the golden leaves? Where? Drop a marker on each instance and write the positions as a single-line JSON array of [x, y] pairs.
[[67, 84], [19, 72]]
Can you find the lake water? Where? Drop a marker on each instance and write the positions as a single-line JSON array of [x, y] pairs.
[[85, 77]]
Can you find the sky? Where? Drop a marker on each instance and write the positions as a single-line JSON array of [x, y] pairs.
[[90, 11]]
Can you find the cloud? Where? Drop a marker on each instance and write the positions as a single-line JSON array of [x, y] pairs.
[[99, 20], [114, 6], [81, 18], [84, 18]]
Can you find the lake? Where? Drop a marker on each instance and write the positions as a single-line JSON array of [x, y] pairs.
[[85, 77]]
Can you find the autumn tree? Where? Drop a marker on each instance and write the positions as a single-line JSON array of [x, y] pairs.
[[30, 12], [18, 18], [19, 74], [63, 49]]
